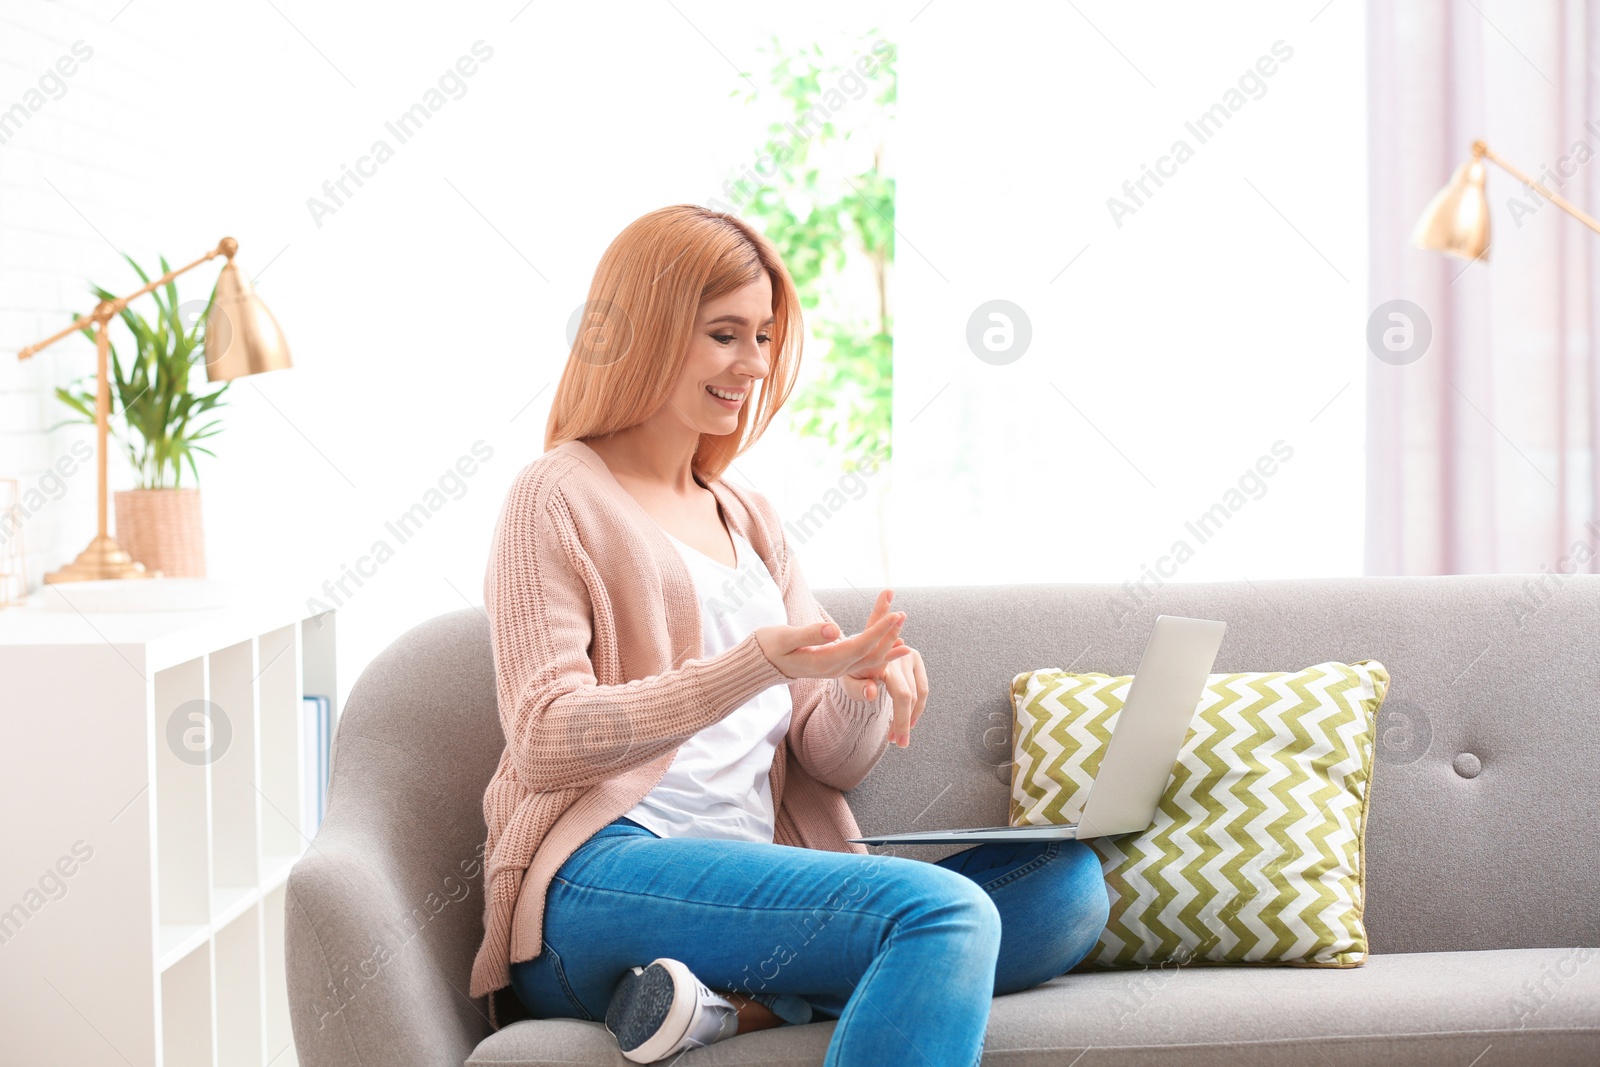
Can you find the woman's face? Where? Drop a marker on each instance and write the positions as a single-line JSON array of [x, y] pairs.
[[728, 352]]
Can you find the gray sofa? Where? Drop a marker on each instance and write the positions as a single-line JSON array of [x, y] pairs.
[[1483, 844]]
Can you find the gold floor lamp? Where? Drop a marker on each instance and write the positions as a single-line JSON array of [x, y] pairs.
[[1456, 220], [242, 338]]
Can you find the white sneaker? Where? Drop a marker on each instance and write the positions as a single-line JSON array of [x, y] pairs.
[[664, 1009]]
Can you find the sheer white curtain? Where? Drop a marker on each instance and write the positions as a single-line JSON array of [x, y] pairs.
[[1481, 451]]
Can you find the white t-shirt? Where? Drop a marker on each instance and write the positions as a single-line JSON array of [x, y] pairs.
[[717, 784]]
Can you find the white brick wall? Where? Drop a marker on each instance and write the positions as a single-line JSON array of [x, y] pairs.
[[96, 143]]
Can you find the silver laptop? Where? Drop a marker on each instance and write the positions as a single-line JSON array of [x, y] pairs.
[[1144, 747]]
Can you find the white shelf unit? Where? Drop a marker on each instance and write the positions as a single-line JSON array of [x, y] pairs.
[[145, 862]]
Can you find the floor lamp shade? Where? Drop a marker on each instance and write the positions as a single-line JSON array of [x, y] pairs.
[[1456, 221]]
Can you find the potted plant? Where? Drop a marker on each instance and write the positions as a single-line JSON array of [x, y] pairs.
[[156, 417]]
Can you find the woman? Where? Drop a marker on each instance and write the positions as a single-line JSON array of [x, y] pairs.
[[668, 837]]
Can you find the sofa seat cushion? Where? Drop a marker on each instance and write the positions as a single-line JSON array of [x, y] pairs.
[[1447, 1008]]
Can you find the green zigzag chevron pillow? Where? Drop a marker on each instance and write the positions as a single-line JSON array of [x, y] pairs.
[[1255, 853]]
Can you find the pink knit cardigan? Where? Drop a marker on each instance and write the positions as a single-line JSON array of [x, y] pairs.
[[595, 625]]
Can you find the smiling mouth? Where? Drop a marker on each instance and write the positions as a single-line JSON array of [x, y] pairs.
[[734, 402]]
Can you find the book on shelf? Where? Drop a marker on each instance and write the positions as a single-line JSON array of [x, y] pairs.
[[317, 736]]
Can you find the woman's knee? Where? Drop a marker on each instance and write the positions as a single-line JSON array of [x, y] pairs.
[[1085, 906], [1056, 919]]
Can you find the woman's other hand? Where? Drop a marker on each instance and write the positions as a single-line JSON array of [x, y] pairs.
[[905, 676]]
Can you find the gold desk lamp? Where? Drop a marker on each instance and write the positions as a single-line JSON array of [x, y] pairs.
[[242, 338], [1456, 220]]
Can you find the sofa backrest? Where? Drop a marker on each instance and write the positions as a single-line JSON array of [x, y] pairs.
[[1482, 829]]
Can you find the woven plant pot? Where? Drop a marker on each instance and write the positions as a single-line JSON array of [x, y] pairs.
[[161, 529]]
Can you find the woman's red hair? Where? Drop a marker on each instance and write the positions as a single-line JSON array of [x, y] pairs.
[[640, 315]]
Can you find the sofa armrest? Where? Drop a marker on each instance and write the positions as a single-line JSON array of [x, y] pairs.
[[370, 970]]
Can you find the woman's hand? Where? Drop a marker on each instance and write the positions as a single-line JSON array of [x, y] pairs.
[[817, 651], [905, 677]]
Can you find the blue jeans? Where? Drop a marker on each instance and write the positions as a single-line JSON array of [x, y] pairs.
[[905, 954]]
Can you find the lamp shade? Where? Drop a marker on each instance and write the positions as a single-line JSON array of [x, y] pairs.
[[242, 337], [1456, 221]]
